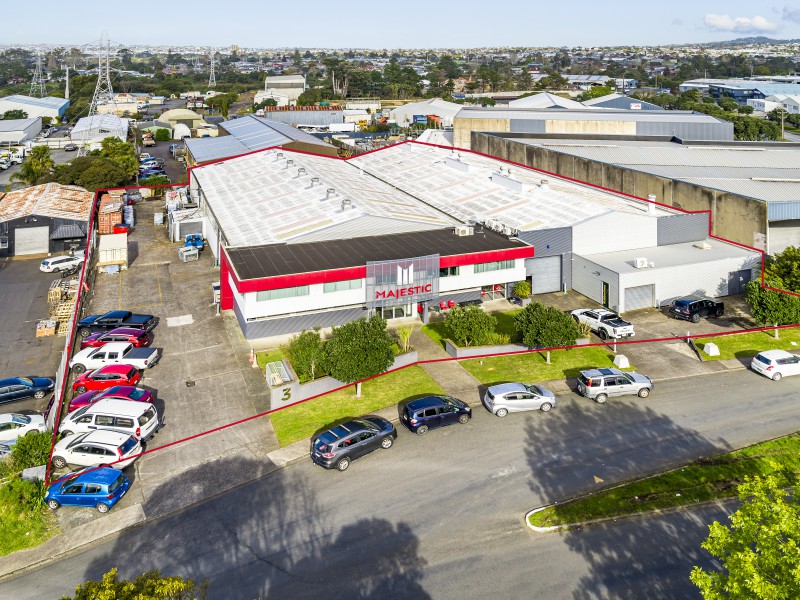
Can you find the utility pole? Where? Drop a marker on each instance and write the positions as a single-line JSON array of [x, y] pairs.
[[212, 78], [38, 86]]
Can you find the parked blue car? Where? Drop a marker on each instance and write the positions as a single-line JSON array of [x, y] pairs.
[[101, 488], [434, 411]]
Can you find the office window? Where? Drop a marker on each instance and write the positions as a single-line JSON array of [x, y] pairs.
[[340, 286], [448, 272], [494, 266], [282, 293]]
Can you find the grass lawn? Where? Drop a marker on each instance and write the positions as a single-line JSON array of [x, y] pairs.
[[706, 479], [267, 357], [303, 420], [505, 325], [23, 526], [532, 367], [750, 344]]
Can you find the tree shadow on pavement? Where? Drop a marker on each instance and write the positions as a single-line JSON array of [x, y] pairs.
[[643, 557], [267, 538]]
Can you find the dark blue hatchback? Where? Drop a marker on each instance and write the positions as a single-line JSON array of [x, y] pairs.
[[434, 411], [100, 488]]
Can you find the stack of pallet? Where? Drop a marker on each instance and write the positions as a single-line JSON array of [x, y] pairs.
[[46, 327], [108, 214], [61, 297]]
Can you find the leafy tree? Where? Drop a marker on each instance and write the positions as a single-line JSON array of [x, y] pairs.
[[122, 154], [162, 135], [596, 91], [31, 450], [728, 104], [758, 550], [469, 325], [156, 180], [769, 307], [306, 351], [37, 166], [15, 114], [90, 172], [540, 326], [358, 350], [147, 586], [265, 103]]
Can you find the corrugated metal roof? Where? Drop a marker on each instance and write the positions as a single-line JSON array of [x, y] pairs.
[[64, 232], [48, 200], [587, 114], [744, 169], [7, 125], [46, 102], [545, 100]]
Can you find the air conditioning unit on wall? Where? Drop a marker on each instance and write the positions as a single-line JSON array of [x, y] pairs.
[[640, 263]]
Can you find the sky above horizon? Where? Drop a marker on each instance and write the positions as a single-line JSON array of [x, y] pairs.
[[405, 24]]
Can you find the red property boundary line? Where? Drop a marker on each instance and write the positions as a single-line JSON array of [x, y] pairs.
[[187, 185]]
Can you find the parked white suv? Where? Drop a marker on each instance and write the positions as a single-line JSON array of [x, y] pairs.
[[54, 264], [97, 448], [776, 364]]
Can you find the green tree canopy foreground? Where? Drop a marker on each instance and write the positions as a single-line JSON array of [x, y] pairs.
[[90, 172], [358, 350], [469, 325], [15, 114], [122, 154], [759, 550], [540, 326], [37, 166], [769, 307], [147, 586]]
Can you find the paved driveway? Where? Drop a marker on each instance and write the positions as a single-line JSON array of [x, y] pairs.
[[203, 380], [23, 301]]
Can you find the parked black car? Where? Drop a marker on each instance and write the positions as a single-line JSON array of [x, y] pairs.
[[434, 411], [693, 308], [20, 388], [114, 319], [339, 446]]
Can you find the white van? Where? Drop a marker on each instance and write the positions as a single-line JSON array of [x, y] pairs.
[[112, 414]]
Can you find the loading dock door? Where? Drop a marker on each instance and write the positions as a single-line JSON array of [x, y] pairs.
[[31, 240], [545, 274], [640, 296]]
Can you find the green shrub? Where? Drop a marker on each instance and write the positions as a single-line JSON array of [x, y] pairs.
[[32, 450], [469, 325], [497, 339], [306, 353], [26, 494], [522, 289], [162, 135]]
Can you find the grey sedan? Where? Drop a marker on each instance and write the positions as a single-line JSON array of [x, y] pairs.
[[516, 397]]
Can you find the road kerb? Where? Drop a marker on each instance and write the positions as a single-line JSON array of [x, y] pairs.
[[719, 502]]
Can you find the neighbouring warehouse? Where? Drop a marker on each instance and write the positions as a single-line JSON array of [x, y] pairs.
[[312, 241]]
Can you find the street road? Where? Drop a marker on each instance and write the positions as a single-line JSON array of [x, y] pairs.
[[441, 516]]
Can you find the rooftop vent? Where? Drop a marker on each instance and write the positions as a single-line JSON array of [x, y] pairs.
[[505, 180], [455, 163], [702, 245], [314, 180], [330, 192], [544, 184], [289, 163], [301, 171], [346, 203], [279, 155], [651, 204]]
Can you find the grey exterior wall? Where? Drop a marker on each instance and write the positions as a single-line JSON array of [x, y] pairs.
[[7, 229], [734, 217], [272, 327], [588, 278], [559, 240], [722, 132], [678, 229], [528, 125]]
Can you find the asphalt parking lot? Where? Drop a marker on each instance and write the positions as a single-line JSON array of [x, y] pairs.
[[23, 301], [204, 379], [59, 156], [175, 170]]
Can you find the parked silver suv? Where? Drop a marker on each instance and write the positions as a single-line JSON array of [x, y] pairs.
[[599, 384]]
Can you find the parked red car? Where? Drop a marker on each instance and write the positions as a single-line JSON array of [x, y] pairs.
[[106, 377], [138, 337], [121, 392]]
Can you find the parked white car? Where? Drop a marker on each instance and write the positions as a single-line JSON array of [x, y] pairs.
[[114, 352], [15, 425], [99, 447], [776, 364], [54, 264]]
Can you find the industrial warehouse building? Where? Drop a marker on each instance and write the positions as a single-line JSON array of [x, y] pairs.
[[43, 219], [94, 129], [35, 107], [248, 134], [307, 241], [19, 131], [750, 189], [589, 121]]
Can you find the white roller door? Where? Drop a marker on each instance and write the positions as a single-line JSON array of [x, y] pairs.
[[545, 274], [31, 240], [640, 296]]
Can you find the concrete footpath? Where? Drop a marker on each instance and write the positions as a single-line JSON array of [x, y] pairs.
[[662, 361]]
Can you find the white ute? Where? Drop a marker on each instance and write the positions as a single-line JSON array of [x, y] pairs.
[[605, 323]]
